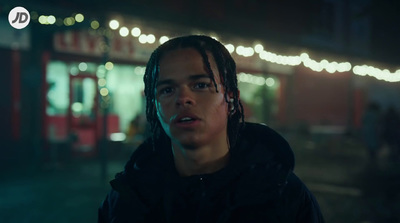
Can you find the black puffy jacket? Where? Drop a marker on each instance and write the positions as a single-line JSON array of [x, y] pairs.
[[257, 185]]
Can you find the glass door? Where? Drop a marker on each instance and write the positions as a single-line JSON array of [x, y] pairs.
[[82, 114]]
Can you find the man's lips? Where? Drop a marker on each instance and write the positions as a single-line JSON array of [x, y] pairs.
[[185, 117]]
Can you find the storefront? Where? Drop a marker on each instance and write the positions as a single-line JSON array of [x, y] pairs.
[[80, 94]]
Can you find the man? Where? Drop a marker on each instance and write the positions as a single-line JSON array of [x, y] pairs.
[[203, 163]]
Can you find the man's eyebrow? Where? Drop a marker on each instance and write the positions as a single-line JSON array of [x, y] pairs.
[[191, 77], [199, 76], [164, 82]]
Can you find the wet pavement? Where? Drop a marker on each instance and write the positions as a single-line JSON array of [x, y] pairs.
[[348, 187], [337, 171]]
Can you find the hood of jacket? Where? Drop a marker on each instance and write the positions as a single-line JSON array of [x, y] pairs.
[[259, 144]]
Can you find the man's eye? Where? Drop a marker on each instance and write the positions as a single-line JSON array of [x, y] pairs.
[[166, 90], [201, 85]]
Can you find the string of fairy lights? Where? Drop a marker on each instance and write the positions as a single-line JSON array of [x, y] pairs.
[[245, 51]]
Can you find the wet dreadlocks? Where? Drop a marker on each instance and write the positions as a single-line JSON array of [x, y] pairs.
[[226, 68]]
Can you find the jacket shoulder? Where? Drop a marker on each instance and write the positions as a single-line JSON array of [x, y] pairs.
[[265, 139], [299, 200], [146, 156], [136, 188]]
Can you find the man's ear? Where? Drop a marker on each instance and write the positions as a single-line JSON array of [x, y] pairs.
[[230, 95], [231, 101]]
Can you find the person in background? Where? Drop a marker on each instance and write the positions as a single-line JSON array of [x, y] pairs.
[[136, 131], [203, 163], [391, 132], [372, 130]]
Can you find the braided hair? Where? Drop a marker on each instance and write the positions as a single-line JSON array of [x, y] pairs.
[[228, 79]]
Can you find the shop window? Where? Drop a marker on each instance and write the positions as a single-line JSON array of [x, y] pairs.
[[124, 93], [125, 84], [259, 94], [58, 88]]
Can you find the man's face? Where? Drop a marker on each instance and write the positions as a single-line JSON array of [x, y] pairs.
[[189, 109]]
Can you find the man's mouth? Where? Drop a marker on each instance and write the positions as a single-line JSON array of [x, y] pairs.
[[186, 119]]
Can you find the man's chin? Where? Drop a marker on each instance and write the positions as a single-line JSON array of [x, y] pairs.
[[190, 144]]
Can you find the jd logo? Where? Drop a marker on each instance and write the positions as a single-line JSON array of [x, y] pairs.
[[19, 17]]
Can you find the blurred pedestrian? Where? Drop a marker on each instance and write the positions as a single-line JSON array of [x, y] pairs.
[[136, 130], [203, 163], [391, 132], [371, 130]]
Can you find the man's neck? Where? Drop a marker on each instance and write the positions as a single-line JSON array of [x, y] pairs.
[[201, 160]]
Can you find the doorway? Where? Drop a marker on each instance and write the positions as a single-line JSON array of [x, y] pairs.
[[82, 114]]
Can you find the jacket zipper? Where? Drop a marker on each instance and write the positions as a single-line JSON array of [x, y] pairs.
[[202, 196]]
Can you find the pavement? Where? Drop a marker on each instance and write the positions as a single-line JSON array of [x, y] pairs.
[[347, 186]]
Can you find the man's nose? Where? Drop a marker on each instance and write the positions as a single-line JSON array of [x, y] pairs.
[[185, 97]]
